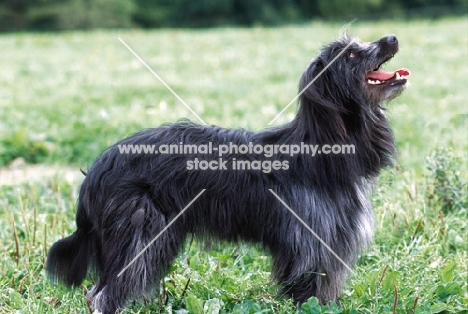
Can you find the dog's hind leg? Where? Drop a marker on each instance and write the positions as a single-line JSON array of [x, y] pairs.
[[132, 264]]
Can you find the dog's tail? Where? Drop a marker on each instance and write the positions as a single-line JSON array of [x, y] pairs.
[[68, 258]]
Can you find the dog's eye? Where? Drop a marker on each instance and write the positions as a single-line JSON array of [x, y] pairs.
[[351, 54]]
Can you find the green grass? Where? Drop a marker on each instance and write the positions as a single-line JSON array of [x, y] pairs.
[[65, 97]]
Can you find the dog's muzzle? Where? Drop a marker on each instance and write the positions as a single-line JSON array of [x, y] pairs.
[[388, 47]]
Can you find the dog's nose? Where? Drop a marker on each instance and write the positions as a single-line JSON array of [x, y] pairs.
[[390, 39]]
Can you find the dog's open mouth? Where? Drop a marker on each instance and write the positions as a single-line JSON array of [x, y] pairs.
[[379, 77]]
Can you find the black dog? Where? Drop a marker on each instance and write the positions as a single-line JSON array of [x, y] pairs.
[[127, 199]]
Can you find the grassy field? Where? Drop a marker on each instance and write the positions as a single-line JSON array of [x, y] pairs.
[[65, 97]]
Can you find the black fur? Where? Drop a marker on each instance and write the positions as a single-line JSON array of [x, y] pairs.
[[127, 199]]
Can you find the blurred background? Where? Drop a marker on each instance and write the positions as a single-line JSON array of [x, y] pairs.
[[88, 14]]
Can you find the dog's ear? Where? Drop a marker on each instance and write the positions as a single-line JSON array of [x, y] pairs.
[[318, 101], [309, 77], [317, 83]]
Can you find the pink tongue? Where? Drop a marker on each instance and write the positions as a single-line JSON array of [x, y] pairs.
[[383, 76]]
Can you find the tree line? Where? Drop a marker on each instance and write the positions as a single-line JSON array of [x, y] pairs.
[[89, 14]]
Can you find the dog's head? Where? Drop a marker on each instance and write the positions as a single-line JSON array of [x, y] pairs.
[[352, 69]]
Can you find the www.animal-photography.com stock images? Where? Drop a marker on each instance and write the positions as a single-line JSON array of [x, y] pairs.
[[229, 156]]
